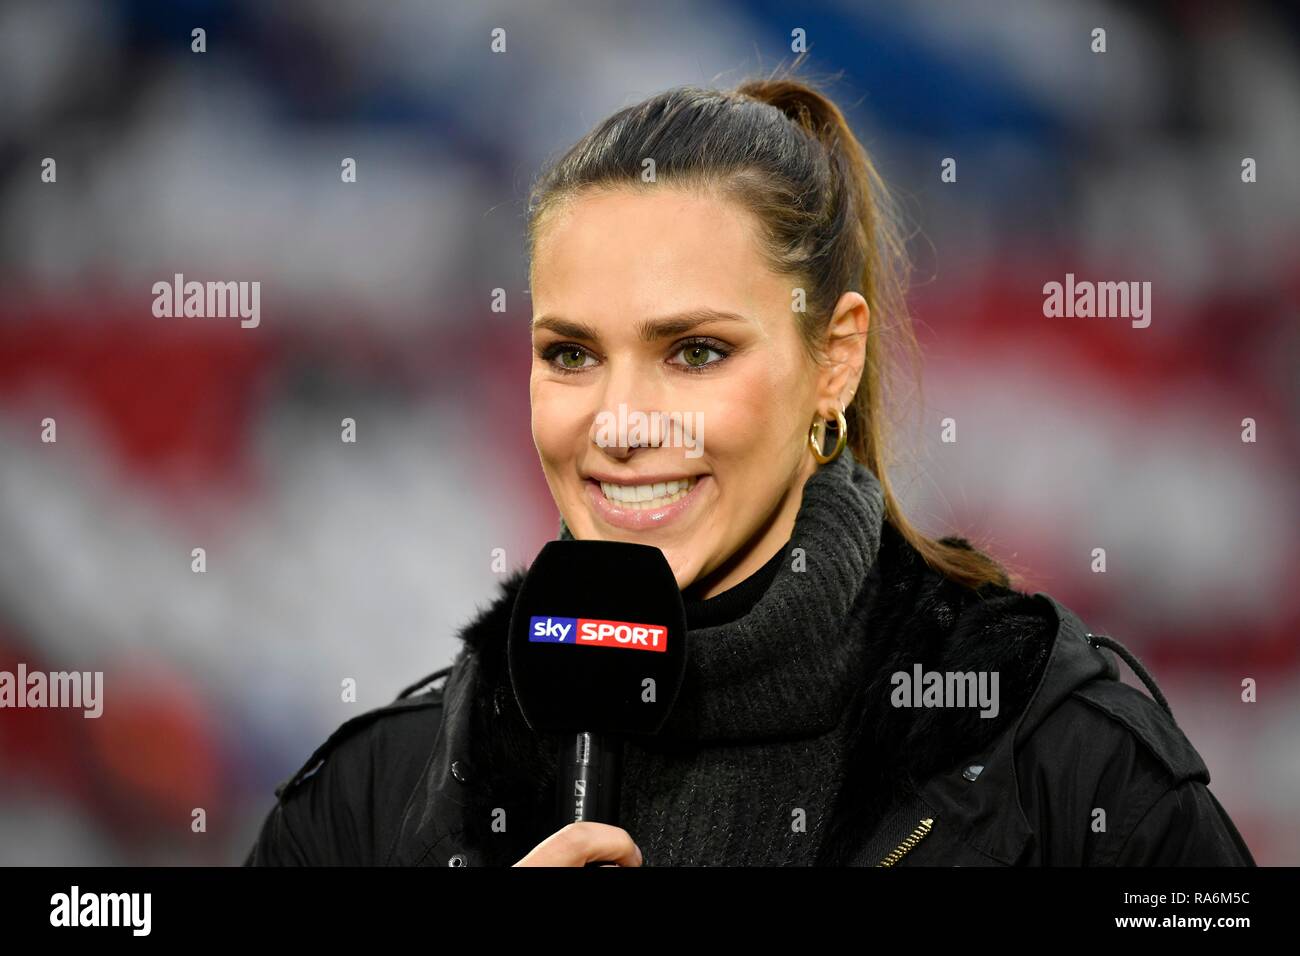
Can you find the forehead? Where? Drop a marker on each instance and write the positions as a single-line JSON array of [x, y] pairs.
[[650, 248]]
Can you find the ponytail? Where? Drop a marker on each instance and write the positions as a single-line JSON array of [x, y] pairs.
[[861, 204]]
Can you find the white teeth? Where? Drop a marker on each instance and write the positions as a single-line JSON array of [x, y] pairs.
[[641, 497]]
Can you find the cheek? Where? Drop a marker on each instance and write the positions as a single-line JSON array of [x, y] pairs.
[[559, 425], [751, 417]]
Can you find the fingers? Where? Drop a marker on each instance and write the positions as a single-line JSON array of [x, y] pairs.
[[578, 844]]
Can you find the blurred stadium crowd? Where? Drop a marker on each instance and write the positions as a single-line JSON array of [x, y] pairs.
[[327, 560]]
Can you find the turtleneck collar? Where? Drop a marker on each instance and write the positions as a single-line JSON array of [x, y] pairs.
[[788, 666], [734, 602]]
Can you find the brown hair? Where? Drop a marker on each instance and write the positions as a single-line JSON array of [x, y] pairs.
[[784, 151]]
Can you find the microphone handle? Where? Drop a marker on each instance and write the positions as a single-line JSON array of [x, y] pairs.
[[588, 775]]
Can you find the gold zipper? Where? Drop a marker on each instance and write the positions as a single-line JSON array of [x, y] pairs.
[[913, 838]]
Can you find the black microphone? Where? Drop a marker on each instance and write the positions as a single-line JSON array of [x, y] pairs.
[[597, 652]]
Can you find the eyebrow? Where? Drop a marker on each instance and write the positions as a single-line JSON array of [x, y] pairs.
[[649, 330]]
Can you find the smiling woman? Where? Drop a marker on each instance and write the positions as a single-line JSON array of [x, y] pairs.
[[719, 344], [755, 283]]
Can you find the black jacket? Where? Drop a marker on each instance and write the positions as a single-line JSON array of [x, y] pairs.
[[1077, 768]]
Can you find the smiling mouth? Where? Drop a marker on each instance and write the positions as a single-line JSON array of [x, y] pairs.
[[646, 497]]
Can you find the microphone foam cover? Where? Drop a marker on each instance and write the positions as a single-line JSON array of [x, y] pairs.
[[598, 638]]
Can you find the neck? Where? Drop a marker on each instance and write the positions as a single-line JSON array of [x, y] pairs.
[[770, 538]]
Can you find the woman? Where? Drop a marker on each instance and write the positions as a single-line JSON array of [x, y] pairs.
[[727, 256]]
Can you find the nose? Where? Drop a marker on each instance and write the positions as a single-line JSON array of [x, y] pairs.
[[629, 415]]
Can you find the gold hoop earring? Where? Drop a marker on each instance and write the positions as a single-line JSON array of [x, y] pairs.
[[841, 438]]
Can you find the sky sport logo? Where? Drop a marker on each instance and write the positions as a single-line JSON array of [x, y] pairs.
[[590, 632]]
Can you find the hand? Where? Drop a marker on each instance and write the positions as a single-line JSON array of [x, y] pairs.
[[580, 843]]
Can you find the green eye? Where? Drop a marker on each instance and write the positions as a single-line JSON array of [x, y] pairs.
[[572, 353], [565, 357], [696, 354]]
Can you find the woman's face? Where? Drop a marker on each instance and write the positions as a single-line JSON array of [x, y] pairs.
[[664, 350]]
